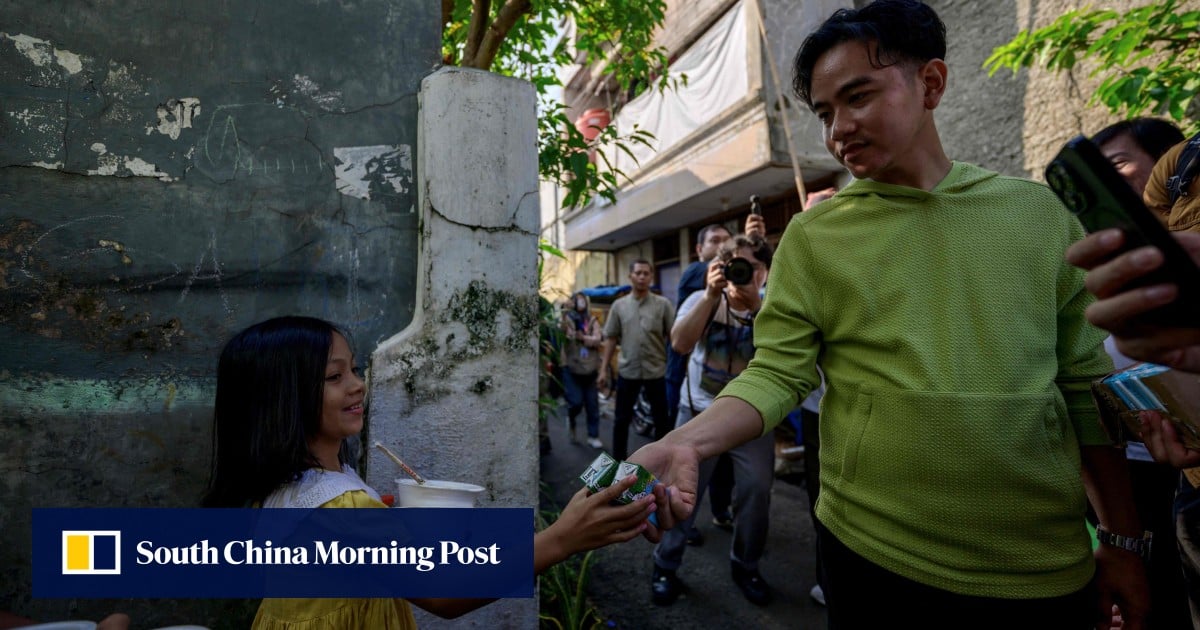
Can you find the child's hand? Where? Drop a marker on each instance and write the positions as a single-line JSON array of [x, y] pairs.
[[589, 522]]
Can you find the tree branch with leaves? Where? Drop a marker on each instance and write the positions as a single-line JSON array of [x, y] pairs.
[[1149, 57], [521, 38]]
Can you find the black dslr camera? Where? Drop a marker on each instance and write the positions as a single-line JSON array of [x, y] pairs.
[[738, 271]]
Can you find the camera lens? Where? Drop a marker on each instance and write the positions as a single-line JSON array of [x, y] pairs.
[[739, 271], [1060, 181]]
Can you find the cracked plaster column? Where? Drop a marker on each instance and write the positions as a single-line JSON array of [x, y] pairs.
[[455, 393]]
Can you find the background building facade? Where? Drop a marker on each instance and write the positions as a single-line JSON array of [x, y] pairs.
[[726, 137]]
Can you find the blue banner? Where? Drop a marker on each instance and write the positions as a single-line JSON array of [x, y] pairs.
[[203, 553]]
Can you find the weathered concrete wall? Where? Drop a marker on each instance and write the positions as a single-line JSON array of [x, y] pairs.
[[456, 393], [170, 173], [1014, 124], [1056, 103], [1011, 124], [980, 119]]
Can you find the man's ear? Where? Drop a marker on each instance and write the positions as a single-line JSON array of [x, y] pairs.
[[933, 78]]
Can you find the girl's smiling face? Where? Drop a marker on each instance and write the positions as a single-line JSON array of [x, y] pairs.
[[342, 407]]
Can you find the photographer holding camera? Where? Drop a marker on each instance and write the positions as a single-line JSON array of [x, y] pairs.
[[717, 327]]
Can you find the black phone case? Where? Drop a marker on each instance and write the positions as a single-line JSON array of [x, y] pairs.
[[1093, 191]]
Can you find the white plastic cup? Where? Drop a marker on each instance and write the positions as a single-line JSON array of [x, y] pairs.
[[435, 493]]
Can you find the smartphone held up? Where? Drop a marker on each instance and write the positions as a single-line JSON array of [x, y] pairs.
[[1098, 196]]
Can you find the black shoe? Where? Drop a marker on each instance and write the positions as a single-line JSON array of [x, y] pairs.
[[753, 586], [724, 520], [664, 587], [695, 537]]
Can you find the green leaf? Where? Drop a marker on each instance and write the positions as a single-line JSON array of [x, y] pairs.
[[1119, 47], [579, 163], [529, 51], [545, 246]]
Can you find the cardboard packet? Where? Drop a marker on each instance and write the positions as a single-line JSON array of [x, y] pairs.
[[600, 474], [1146, 386], [605, 470], [644, 485]]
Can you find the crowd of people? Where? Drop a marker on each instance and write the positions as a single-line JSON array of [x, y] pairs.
[[955, 318]]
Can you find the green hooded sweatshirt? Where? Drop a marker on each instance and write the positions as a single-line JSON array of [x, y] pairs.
[[958, 362]]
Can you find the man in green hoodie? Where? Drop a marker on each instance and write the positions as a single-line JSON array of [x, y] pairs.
[[958, 416]]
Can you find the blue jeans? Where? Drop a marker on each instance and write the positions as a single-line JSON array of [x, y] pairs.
[[580, 392]]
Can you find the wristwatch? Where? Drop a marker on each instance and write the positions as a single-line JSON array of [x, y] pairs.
[[1140, 546]]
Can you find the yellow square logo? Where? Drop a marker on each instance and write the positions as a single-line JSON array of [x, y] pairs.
[[91, 552]]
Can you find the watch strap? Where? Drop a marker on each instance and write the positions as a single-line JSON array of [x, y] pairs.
[[1140, 546]]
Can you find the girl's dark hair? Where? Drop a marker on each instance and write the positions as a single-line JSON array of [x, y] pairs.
[[270, 391], [1153, 135], [903, 30]]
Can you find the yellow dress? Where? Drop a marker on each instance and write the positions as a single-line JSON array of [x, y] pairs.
[[336, 614]]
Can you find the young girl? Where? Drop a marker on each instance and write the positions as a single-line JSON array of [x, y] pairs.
[[288, 398]]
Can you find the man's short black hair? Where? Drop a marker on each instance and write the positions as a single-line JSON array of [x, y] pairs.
[[703, 234], [903, 30], [641, 261], [1152, 135]]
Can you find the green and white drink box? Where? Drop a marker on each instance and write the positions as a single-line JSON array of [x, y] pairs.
[[600, 473], [644, 485], [604, 471]]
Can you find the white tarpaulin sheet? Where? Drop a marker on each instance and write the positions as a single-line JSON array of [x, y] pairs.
[[716, 69]]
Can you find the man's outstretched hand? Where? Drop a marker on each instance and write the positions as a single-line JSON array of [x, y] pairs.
[[677, 468]]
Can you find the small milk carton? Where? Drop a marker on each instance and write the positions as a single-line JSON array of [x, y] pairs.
[[605, 470], [644, 485], [600, 473]]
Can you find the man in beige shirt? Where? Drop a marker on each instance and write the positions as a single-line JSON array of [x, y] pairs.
[[641, 323]]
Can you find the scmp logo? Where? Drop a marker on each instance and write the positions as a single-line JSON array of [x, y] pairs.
[[91, 553]]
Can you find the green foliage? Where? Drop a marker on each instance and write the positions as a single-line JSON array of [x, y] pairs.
[[564, 603], [531, 49], [546, 249], [1149, 57], [522, 38], [563, 156], [551, 339]]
